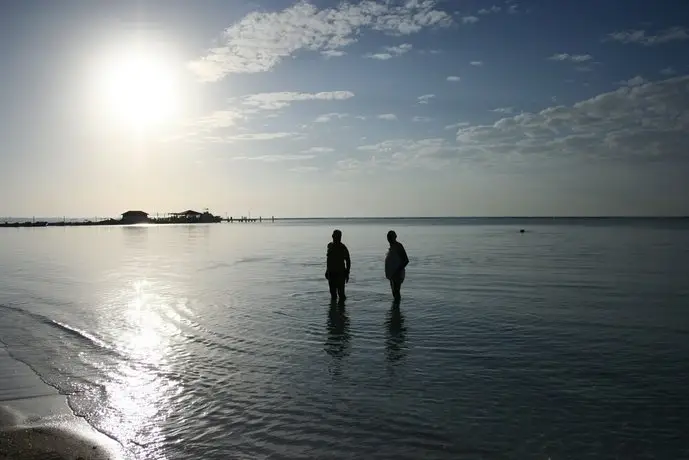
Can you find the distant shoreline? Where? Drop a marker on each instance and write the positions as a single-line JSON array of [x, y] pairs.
[[14, 222]]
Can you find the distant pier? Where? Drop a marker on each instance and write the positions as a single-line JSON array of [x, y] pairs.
[[141, 217]]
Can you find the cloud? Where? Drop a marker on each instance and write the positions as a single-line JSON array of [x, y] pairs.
[[492, 9], [390, 52], [636, 81], [333, 53], [513, 9], [400, 49], [379, 56], [279, 100], [458, 125], [571, 57], [388, 116], [640, 37], [476, 63], [636, 123], [470, 20], [246, 107], [275, 158], [304, 169], [453, 78], [319, 150], [261, 40], [503, 110], [398, 153], [426, 98], [328, 117], [259, 136], [422, 119], [668, 71], [217, 119]]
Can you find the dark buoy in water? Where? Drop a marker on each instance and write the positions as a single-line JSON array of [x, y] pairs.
[[521, 231]]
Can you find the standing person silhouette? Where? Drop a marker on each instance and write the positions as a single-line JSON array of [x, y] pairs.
[[396, 261], [338, 265]]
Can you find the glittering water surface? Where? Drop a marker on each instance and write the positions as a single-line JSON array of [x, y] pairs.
[[218, 341]]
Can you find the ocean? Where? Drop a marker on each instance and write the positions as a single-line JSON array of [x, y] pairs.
[[567, 341]]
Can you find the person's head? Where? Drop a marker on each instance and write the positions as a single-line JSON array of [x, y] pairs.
[[337, 236], [392, 236]]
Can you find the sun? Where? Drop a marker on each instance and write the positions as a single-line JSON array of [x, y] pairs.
[[138, 88]]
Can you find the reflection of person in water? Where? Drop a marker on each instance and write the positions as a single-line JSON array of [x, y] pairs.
[[395, 347], [337, 342], [338, 265]]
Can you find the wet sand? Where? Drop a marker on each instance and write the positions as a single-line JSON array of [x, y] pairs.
[[36, 422]]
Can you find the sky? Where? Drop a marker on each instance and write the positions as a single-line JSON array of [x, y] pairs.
[[322, 108]]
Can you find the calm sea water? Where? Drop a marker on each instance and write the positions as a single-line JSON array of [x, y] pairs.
[[183, 342]]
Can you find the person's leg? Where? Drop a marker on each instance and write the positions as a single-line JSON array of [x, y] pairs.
[[332, 284], [396, 287], [341, 289]]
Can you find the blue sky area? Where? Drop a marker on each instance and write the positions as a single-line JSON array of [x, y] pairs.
[[323, 108]]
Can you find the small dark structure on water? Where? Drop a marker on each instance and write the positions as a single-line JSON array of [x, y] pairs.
[[193, 217], [134, 217]]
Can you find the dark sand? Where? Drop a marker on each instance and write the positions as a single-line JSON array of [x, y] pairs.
[[37, 424]]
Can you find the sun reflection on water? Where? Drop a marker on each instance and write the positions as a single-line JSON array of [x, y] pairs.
[[140, 386]]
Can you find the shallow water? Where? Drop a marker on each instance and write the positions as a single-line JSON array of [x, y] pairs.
[[218, 341]]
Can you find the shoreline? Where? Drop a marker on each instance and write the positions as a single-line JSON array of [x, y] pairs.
[[36, 421]]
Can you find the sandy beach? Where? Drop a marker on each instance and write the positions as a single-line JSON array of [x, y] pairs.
[[36, 422]]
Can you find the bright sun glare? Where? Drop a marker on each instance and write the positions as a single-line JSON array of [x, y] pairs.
[[139, 88]]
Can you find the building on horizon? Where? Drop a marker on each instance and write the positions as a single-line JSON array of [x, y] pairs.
[[134, 217]]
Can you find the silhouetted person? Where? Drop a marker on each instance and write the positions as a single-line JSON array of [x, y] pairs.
[[338, 265], [396, 261]]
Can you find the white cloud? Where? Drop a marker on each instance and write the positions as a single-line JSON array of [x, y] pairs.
[[304, 169], [396, 153], [328, 117], [636, 81], [640, 36], [476, 63], [319, 150], [640, 122], [571, 57], [379, 56], [279, 100], [421, 119], [217, 119], [453, 78], [333, 53], [388, 116], [457, 125], [261, 40], [470, 20], [259, 136], [400, 49], [390, 52], [668, 71], [513, 9], [275, 158], [426, 98], [492, 9], [503, 110]]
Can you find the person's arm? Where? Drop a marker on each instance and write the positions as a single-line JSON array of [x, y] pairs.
[[403, 256], [348, 262], [327, 254]]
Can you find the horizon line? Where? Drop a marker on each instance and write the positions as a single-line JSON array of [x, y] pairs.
[[678, 216]]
